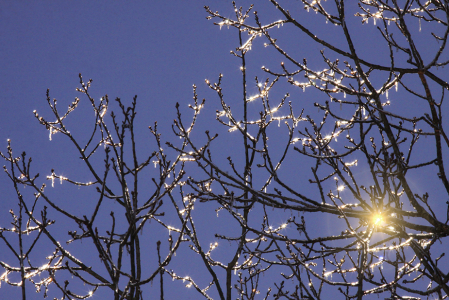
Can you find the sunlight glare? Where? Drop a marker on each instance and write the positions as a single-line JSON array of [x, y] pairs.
[[377, 219]]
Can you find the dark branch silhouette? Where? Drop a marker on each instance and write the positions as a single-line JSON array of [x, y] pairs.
[[386, 236]]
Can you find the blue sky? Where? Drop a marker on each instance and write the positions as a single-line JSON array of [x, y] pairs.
[[156, 50], [153, 49]]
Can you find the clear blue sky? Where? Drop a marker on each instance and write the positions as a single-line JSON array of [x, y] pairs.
[[154, 49]]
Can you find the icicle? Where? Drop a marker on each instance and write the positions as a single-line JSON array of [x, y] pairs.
[[388, 22], [419, 20], [374, 21], [344, 94], [386, 93], [279, 122], [396, 85]]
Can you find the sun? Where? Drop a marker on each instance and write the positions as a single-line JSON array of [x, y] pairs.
[[377, 219]]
